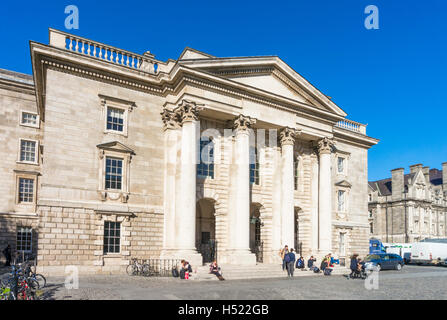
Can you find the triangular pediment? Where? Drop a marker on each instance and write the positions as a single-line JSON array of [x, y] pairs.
[[419, 178], [269, 74], [190, 53], [115, 146], [344, 184]]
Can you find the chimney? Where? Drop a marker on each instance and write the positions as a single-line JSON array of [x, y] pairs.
[[444, 176], [426, 172], [397, 183], [415, 167]]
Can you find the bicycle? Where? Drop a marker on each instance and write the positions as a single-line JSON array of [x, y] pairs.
[[136, 268]]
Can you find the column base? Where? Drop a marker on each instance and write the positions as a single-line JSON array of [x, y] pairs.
[[238, 258], [194, 258]]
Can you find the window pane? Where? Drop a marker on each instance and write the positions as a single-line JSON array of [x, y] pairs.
[[114, 173], [115, 119], [26, 190], [28, 151], [112, 237], [206, 166]]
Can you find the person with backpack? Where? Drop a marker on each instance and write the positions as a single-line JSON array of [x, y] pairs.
[[300, 264], [290, 260]]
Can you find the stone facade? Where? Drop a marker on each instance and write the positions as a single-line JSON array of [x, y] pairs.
[[118, 148], [409, 207]]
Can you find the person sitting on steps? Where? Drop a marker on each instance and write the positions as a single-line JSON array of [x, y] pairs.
[[214, 269]]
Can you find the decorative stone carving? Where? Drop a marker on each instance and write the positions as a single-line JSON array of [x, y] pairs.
[[325, 145], [188, 111], [287, 136], [170, 119], [243, 123]]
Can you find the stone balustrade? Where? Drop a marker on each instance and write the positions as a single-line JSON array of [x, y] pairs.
[[352, 126], [94, 49]]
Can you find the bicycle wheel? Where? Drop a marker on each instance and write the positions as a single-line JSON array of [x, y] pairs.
[[41, 280], [146, 270], [132, 270]]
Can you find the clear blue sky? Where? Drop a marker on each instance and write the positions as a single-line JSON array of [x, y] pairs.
[[393, 78]]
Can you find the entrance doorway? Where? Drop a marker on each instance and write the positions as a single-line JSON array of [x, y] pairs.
[[206, 230]]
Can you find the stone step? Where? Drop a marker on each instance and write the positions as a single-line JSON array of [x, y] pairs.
[[261, 271]]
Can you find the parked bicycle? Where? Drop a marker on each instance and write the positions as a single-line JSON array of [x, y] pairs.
[[136, 268]]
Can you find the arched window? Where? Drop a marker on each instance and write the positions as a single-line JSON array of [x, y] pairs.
[[254, 166], [206, 166]]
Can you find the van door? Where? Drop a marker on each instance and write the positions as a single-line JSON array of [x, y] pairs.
[[387, 264]]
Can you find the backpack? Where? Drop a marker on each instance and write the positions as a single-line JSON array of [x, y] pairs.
[[175, 273], [316, 270], [287, 258], [327, 272]]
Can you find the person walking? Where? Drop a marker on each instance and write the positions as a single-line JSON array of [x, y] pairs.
[[7, 253], [354, 265], [291, 263], [283, 253]]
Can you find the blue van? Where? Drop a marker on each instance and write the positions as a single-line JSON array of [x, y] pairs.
[[383, 261]]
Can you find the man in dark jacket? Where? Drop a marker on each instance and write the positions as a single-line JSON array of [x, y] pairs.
[[354, 265], [291, 263], [310, 262], [7, 253]]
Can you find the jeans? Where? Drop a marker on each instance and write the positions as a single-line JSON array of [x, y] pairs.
[[290, 268]]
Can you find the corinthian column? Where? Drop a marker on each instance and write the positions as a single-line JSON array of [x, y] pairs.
[[239, 216], [325, 196], [186, 208], [170, 147], [287, 138]]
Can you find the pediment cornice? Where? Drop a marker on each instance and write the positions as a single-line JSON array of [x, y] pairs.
[[344, 184], [115, 146]]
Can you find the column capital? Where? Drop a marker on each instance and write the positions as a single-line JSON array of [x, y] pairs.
[[243, 123], [325, 145], [170, 119], [188, 111], [287, 136]]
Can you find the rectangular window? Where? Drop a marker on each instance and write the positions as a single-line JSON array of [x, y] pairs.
[[340, 165], [254, 166], [371, 227], [341, 201], [24, 239], [29, 119], [26, 190], [114, 173], [115, 119], [206, 166], [342, 244], [112, 236], [27, 151], [296, 173]]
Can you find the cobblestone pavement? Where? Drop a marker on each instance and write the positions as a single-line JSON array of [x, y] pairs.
[[413, 282]]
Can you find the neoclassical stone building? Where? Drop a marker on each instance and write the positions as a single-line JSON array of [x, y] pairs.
[[110, 155], [409, 207]]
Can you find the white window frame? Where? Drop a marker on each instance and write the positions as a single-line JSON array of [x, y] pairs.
[[345, 201], [36, 125], [345, 156], [37, 151], [26, 175], [116, 103]]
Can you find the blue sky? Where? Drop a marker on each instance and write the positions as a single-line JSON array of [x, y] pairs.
[[393, 78]]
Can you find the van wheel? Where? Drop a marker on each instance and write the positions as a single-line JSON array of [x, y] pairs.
[[398, 267]]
